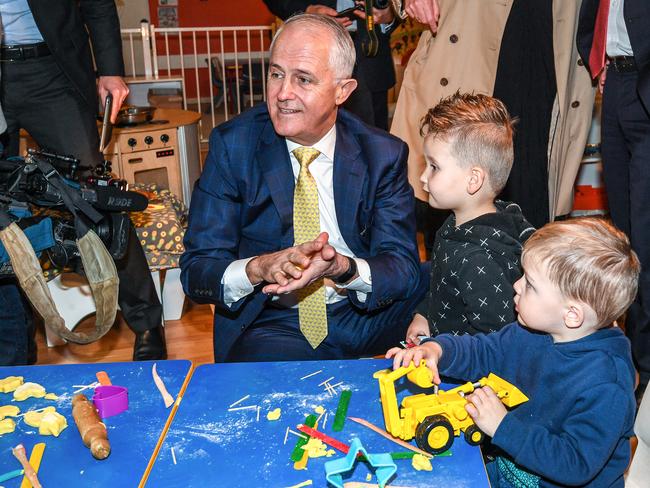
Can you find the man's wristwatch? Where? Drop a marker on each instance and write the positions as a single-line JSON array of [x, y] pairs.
[[345, 277]]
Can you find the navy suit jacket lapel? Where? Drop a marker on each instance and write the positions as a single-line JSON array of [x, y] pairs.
[[348, 179], [275, 164]]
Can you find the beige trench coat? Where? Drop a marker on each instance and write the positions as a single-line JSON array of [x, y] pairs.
[[464, 56]]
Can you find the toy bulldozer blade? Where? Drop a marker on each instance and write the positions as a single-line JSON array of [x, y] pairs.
[[509, 394]]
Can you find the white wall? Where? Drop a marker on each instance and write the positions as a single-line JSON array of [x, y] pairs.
[[131, 12]]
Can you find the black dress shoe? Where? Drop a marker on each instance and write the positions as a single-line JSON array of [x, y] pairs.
[[150, 344]]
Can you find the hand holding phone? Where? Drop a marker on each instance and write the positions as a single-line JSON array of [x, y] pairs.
[[349, 13]]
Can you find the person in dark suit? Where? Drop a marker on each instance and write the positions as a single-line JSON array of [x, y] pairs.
[[621, 33], [250, 248], [375, 75], [50, 88]]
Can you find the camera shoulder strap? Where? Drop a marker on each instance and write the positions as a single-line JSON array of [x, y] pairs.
[[71, 199]]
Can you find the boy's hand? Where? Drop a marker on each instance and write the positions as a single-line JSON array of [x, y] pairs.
[[430, 352], [486, 409], [419, 327]]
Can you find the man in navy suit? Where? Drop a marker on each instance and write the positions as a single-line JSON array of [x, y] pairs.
[[240, 250], [623, 33]]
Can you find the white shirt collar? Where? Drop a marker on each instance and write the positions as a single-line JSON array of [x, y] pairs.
[[326, 145]]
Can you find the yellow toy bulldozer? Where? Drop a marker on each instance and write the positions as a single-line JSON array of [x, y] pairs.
[[434, 419]]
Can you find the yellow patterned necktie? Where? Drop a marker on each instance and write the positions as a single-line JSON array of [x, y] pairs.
[[306, 227]]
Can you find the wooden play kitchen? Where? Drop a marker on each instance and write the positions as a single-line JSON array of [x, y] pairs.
[[163, 149]]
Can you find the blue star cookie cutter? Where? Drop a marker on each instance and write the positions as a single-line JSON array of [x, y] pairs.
[[383, 465]]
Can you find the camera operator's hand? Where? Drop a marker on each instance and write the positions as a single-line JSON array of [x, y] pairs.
[[115, 86], [324, 10]]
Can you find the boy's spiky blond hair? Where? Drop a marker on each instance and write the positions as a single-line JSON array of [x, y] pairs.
[[479, 130]]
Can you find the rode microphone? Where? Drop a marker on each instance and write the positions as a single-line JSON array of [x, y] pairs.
[[113, 199]]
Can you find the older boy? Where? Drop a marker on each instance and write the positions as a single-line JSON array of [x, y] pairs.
[[564, 354], [468, 149]]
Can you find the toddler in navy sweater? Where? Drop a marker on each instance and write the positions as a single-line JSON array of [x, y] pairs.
[[563, 353]]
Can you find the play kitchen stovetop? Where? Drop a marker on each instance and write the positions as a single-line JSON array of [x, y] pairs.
[[164, 151]]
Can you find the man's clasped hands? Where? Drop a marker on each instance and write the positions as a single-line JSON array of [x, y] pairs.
[[296, 267]]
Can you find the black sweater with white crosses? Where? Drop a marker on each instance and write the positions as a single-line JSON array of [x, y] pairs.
[[474, 267]]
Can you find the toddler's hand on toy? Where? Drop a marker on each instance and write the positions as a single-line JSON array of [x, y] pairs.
[[430, 352], [486, 409]]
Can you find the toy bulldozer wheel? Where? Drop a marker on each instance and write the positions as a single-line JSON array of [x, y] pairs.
[[474, 436], [435, 434]]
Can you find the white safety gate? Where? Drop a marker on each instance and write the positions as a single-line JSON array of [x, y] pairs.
[[221, 70]]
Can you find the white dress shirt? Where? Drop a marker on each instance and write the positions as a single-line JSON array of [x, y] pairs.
[[235, 281], [618, 40]]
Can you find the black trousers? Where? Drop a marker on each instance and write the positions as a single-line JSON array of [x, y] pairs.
[[525, 82], [626, 170], [37, 96]]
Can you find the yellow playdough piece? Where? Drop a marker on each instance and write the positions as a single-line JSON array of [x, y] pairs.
[[34, 417], [48, 421], [53, 423], [51, 396], [7, 426], [10, 383], [316, 448], [29, 390], [421, 463], [274, 414], [9, 411]]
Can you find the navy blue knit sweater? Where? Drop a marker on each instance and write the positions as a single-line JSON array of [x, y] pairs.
[[575, 428]]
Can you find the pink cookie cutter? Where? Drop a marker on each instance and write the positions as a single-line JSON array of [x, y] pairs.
[[111, 400]]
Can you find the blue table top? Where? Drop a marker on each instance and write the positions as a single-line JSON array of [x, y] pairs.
[[133, 434], [215, 447]]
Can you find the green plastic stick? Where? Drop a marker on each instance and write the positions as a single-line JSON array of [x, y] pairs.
[[298, 451], [403, 455], [342, 410]]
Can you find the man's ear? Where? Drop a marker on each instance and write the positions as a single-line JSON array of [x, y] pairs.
[[574, 315], [477, 178], [344, 89]]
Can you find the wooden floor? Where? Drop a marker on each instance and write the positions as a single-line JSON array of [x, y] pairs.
[[187, 338]]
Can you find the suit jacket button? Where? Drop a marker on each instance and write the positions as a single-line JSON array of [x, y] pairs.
[[575, 104], [581, 62], [444, 81], [453, 38]]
